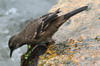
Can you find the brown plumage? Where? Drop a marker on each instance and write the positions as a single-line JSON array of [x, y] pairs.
[[41, 30]]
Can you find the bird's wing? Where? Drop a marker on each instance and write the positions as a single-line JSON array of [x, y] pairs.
[[49, 18], [46, 20], [35, 27]]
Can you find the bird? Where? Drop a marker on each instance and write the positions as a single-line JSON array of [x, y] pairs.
[[40, 30], [31, 31]]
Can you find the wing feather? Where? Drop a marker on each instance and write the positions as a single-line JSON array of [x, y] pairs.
[[46, 20]]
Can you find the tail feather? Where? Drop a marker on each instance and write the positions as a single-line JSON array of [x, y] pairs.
[[72, 13]]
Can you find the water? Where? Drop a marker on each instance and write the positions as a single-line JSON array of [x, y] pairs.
[[13, 14]]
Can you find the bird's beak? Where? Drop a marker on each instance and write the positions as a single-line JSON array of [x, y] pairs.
[[11, 51]]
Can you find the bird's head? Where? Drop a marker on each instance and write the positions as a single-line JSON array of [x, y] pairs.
[[14, 43]]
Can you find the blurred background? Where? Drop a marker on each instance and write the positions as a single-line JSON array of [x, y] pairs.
[[13, 15]]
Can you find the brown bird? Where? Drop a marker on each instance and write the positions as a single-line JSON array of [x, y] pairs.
[[41, 30]]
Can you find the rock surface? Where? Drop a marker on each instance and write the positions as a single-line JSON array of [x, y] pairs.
[[85, 24], [78, 40]]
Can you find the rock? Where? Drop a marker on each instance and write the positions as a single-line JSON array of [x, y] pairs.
[[81, 36]]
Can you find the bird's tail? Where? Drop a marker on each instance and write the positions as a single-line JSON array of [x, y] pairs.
[[72, 13]]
